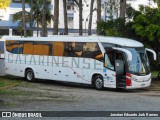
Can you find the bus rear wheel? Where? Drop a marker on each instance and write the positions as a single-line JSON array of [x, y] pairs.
[[29, 75], [98, 82]]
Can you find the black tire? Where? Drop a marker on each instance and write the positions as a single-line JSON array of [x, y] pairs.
[[98, 82], [29, 75]]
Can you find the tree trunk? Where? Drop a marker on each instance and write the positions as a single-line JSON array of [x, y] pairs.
[[56, 16], [65, 17], [90, 18], [37, 27], [98, 12], [44, 23], [122, 9], [111, 9], [80, 18], [31, 17], [24, 18]]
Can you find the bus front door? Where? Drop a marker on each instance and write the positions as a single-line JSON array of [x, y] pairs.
[[120, 70], [2, 62]]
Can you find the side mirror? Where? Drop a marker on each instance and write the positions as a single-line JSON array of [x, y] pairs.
[[153, 52]]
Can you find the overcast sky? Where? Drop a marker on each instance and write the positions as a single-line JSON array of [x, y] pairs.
[[136, 3]]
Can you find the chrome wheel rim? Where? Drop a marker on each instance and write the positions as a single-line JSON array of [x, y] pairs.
[[99, 83], [29, 76]]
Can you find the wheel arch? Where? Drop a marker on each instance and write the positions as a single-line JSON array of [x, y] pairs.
[[28, 68], [94, 75]]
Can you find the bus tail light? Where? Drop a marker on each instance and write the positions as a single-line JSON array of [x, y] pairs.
[[128, 79]]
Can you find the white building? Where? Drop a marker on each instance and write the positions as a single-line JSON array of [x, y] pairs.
[[9, 27]]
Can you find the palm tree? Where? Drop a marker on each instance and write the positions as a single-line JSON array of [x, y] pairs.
[[31, 17], [79, 4], [80, 18], [37, 5], [44, 23], [122, 9], [65, 17], [18, 17], [41, 16], [98, 12], [24, 18], [56, 16], [90, 18], [34, 15]]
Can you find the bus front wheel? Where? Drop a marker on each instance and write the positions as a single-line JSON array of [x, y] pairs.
[[98, 82], [29, 75]]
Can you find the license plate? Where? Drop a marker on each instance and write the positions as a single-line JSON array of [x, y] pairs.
[[143, 84]]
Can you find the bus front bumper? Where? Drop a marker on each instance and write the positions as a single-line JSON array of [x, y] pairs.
[[136, 85]]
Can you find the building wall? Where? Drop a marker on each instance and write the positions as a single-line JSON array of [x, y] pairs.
[[72, 11]]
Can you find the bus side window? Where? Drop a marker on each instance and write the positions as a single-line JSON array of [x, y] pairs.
[[20, 47], [111, 59], [73, 49], [1, 47], [70, 49], [58, 49], [92, 50], [41, 48], [78, 49], [28, 48], [12, 46]]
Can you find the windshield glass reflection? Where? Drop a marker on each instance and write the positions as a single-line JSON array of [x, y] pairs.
[[139, 63]]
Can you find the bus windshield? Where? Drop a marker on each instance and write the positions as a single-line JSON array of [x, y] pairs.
[[139, 64]]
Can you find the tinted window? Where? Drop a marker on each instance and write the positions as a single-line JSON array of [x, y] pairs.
[[42, 48], [69, 49], [12, 46], [92, 50], [73, 49], [58, 49], [86, 50], [27, 47], [110, 55], [1, 47]]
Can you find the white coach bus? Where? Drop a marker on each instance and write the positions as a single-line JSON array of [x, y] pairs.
[[111, 62]]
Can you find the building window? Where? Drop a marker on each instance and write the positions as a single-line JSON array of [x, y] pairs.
[[16, 1], [69, 7]]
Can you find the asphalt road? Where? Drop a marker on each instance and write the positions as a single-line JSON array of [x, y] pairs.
[[53, 96]]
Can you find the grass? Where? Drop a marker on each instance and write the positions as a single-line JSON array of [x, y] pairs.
[[154, 74], [6, 81]]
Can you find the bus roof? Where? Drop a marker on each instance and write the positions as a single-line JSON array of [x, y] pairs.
[[104, 39]]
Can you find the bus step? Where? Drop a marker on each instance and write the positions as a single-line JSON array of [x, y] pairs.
[[121, 85]]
